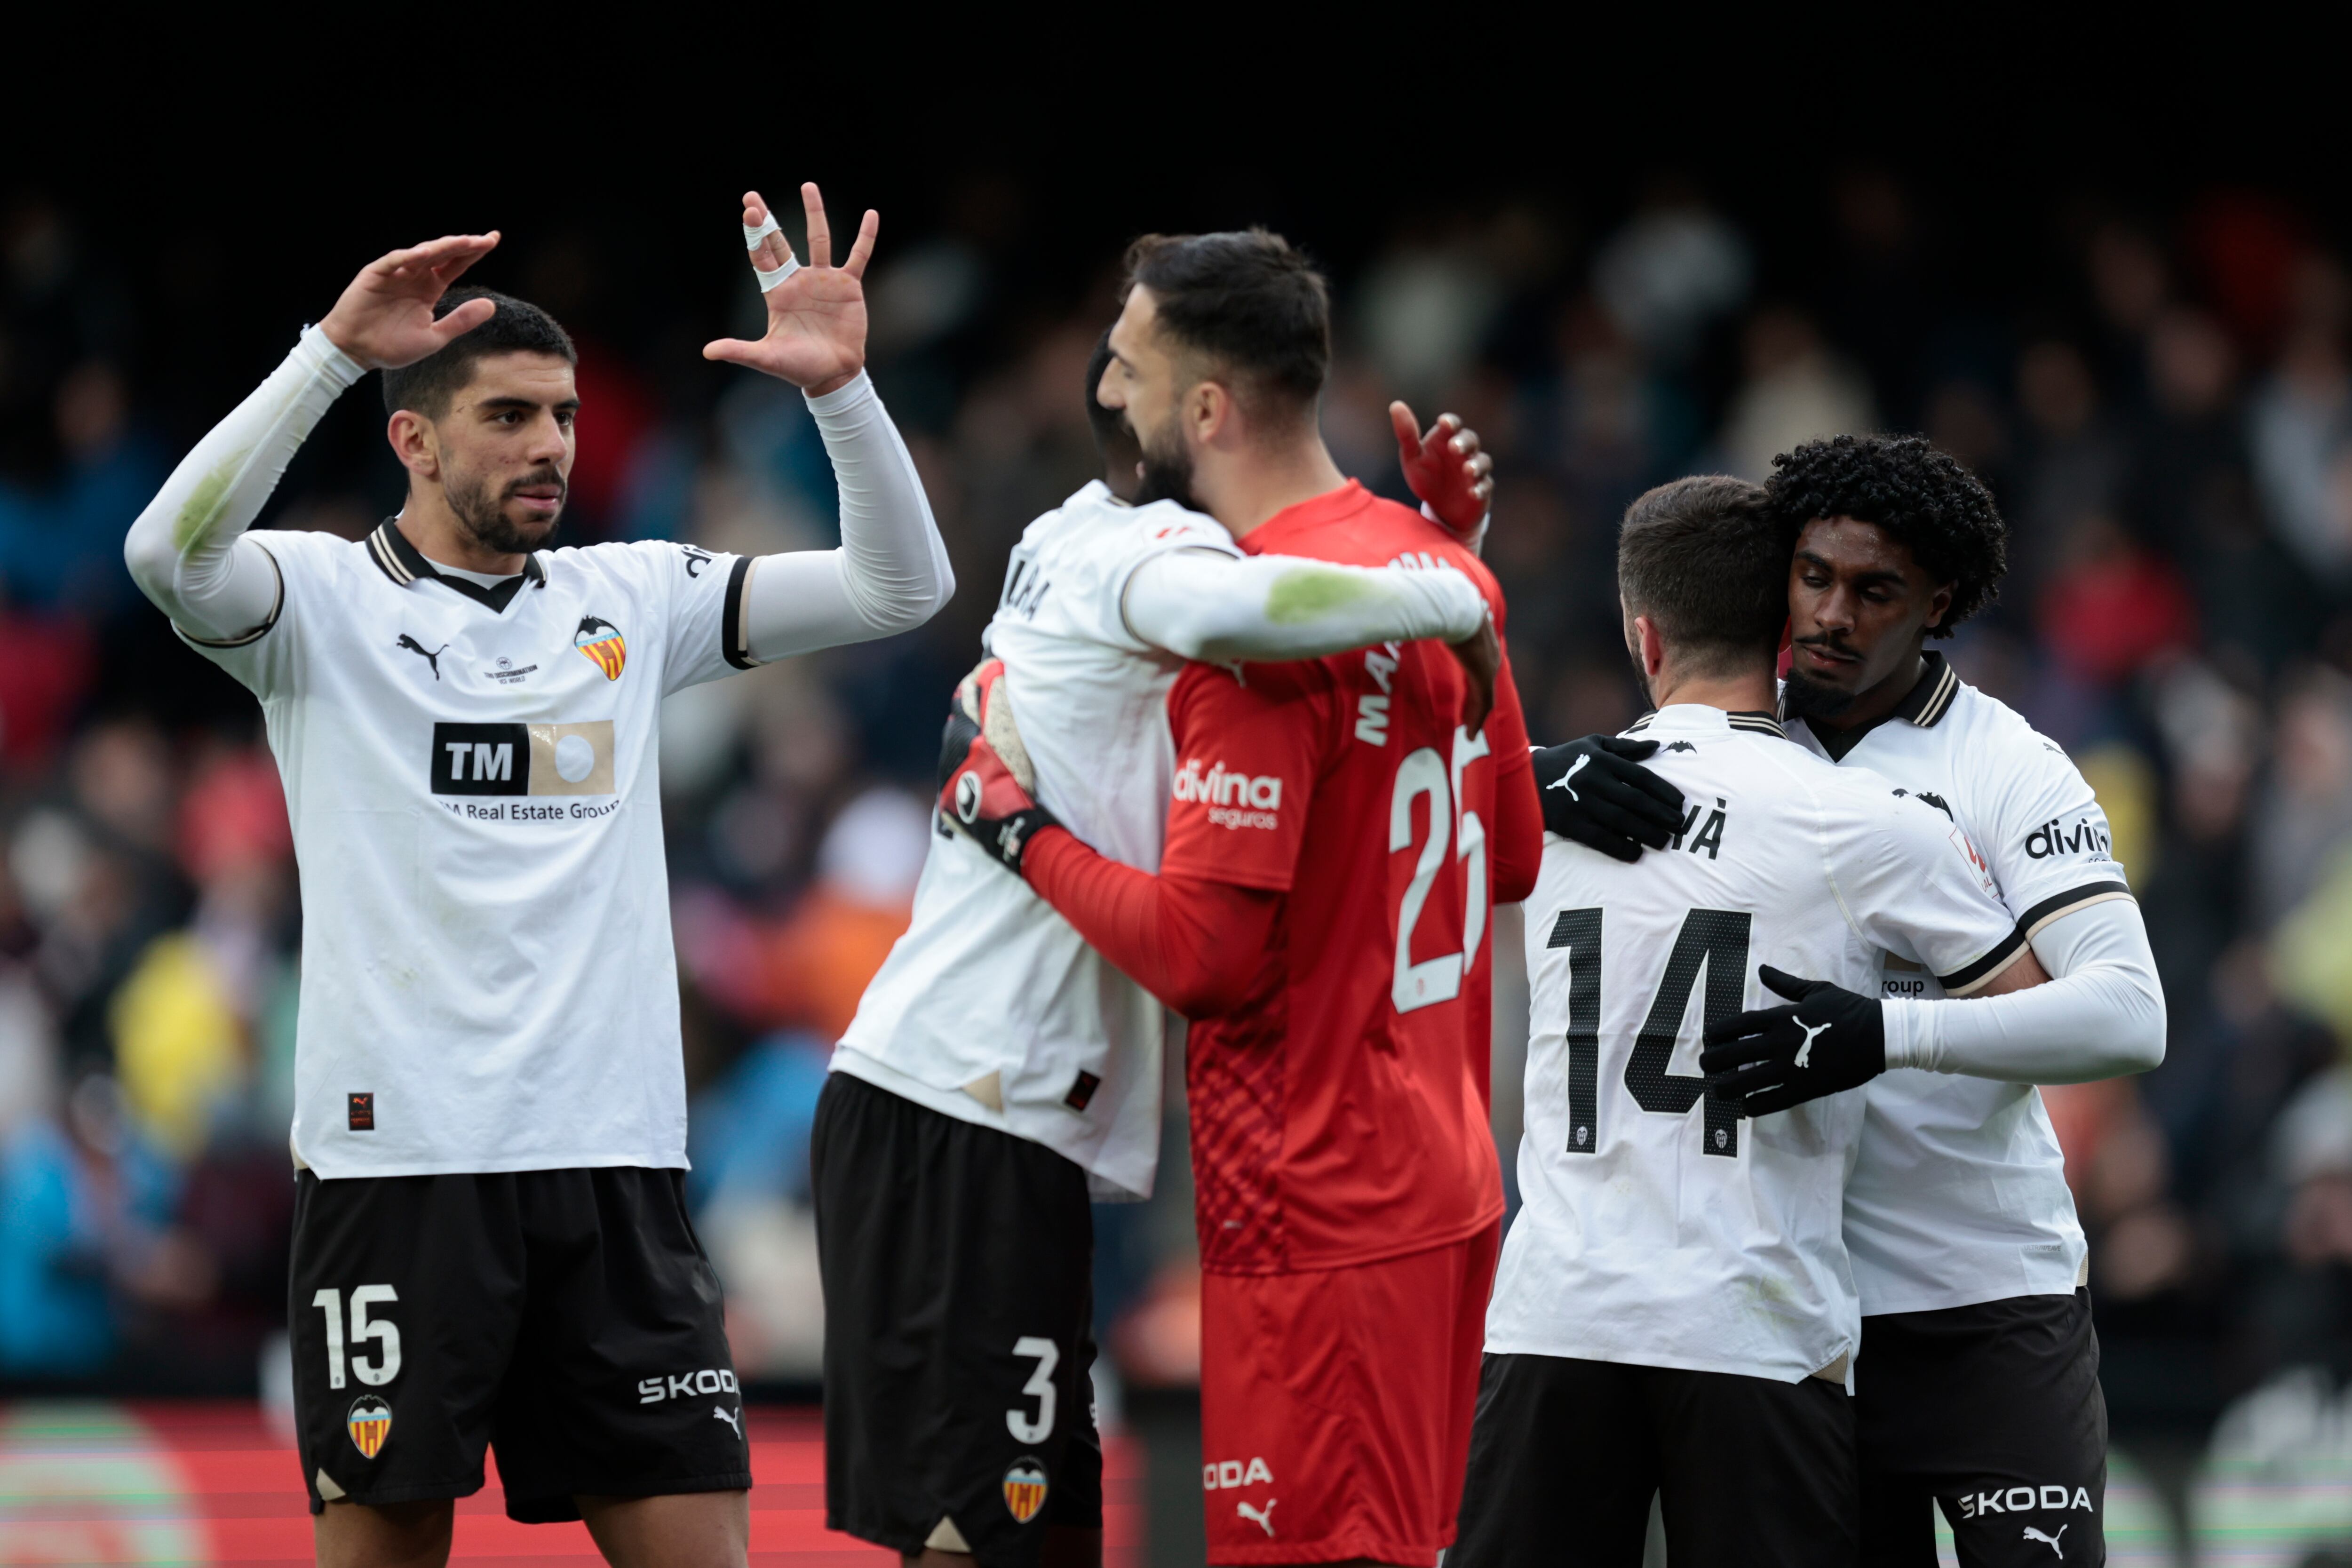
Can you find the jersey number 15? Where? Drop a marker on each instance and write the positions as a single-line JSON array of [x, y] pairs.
[[1715, 939]]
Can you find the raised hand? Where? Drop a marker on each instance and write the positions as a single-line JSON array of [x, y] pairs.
[[1445, 468], [384, 319], [816, 317]]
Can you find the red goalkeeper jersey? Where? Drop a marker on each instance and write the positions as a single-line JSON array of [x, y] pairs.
[[1340, 1114]]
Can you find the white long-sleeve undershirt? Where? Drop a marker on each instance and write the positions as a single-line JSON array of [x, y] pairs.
[[2101, 1014], [189, 552], [1204, 605]]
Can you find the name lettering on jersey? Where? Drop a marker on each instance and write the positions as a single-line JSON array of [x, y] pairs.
[[2025, 1499], [1234, 799], [1420, 561], [1372, 707], [523, 760], [1709, 836], [1024, 587], [685, 1385], [2054, 837]]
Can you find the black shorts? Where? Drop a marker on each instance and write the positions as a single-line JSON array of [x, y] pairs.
[[1994, 1411], [1566, 1454], [567, 1319], [958, 1292]]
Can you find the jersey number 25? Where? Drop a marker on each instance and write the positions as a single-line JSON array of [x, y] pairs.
[[1422, 773]]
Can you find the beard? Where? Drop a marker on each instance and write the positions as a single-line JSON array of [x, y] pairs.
[[484, 518], [1167, 471], [1803, 698]]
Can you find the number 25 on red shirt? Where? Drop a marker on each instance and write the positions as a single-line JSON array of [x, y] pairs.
[[1423, 772]]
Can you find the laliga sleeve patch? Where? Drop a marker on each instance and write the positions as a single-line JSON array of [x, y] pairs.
[[1024, 1488], [370, 1423]]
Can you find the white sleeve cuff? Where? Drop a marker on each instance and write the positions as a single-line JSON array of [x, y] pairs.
[[842, 398], [325, 360]]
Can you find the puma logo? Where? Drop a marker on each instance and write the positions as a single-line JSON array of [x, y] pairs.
[[719, 1412], [433, 658], [1263, 1517], [1574, 768], [1805, 1051], [2049, 1540]]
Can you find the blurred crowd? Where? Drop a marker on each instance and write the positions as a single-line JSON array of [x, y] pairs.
[[2161, 399]]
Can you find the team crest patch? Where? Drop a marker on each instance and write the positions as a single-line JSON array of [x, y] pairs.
[[1024, 1488], [600, 639], [370, 1423]]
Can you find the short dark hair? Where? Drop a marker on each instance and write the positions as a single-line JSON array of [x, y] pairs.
[[1248, 302], [1703, 559], [519, 327], [1924, 500]]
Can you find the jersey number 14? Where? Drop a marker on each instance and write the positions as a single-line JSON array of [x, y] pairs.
[[1716, 940]]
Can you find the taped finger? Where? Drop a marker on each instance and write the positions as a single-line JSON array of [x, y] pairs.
[[752, 236], [770, 282]]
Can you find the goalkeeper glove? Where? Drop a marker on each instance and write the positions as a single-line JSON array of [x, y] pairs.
[[986, 780], [1770, 1059]]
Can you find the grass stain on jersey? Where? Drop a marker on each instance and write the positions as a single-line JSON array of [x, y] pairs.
[[1309, 592], [206, 502]]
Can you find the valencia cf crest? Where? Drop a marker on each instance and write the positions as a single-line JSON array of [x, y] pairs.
[[600, 639], [1024, 1488], [370, 1423]]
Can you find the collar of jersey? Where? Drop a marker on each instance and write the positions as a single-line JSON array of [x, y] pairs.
[[1924, 705], [1698, 718], [1330, 506], [405, 565]]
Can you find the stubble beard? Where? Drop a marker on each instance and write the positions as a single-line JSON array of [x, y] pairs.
[[484, 519], [1803, 698], [1166, 470]]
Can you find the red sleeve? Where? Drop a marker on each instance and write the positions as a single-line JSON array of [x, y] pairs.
[[1517, 842], [1248, 751], [1191, 942]]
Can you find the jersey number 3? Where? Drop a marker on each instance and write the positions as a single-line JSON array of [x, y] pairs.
[[1439, 979], [1716, 940]]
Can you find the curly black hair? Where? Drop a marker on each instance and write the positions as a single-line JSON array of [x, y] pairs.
[[1930, 504]]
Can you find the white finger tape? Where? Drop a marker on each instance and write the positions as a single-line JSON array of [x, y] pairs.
[[752, 236], [772, 280]]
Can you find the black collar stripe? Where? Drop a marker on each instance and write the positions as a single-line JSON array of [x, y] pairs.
[[1761, 723], [1931, 698], [404, 564]]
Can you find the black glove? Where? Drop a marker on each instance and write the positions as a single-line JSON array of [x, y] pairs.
[[1596, 792], [1774, 1058]]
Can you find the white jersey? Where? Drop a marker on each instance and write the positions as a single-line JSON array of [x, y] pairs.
[[487, 977], [1658, 1229], [990, 987], [1960, 1193]]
